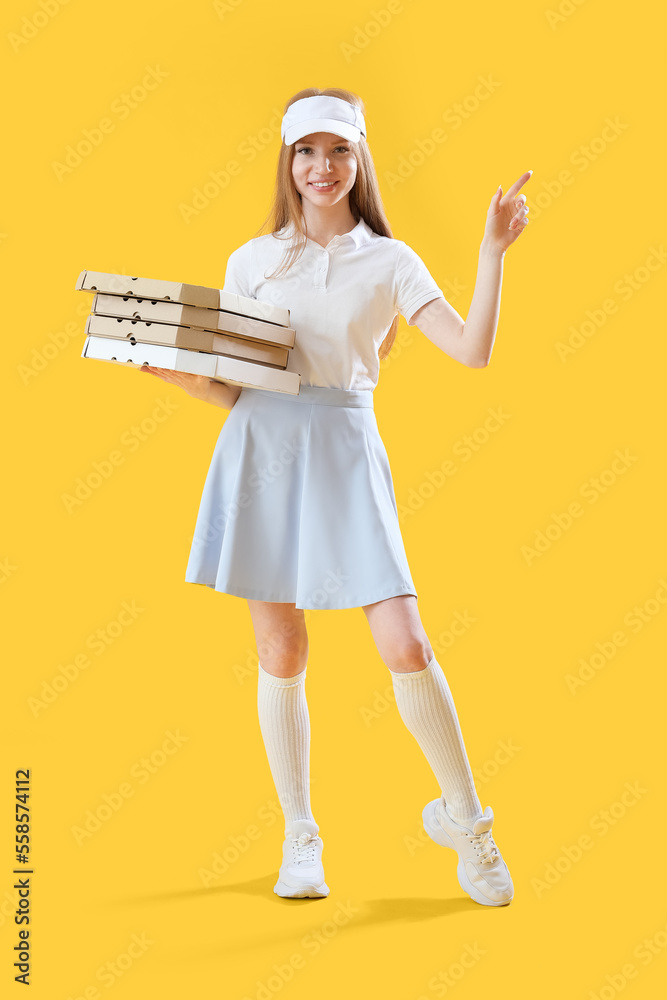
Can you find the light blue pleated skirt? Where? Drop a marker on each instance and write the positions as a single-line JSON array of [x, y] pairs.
[[298, 504]]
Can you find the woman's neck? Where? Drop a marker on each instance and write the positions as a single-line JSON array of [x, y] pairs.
[[323, 224]]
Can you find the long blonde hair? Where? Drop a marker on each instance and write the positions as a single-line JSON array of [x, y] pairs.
[[365, 199]]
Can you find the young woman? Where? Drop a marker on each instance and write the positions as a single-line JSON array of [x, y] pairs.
[[298, 508]]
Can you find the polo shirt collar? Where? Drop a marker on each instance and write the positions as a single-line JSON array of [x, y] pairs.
[[361, 234]]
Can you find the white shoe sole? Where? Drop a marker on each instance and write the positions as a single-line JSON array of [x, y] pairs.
[[440, 836], [301, 891]]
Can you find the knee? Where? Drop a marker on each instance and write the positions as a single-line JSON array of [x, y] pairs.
[[283, 658], [409, 655]]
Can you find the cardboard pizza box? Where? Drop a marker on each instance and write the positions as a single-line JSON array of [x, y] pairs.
[[215, 366], [156, 311], [189, 338], [174, 291]]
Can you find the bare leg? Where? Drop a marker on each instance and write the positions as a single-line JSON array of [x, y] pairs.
[[399, 634], [281, 637]]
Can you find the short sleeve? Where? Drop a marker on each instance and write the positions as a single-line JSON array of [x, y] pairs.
[[238, 275], [415, 285]]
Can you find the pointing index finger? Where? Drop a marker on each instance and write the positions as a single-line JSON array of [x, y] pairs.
[[518, 184]]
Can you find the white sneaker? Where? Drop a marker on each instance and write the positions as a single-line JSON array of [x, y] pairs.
[[481, 871], [301, 873]]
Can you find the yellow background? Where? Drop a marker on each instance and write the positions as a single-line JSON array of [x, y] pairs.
[[186, 663]]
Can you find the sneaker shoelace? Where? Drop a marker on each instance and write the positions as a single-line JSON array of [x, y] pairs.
[[485, 848], [303, 851]]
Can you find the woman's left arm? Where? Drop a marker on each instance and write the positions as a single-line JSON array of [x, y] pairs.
[[471, 341]]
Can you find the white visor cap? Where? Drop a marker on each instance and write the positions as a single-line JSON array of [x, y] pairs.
[[322, 114]]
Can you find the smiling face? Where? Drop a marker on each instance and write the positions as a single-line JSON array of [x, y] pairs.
[[324, 158]]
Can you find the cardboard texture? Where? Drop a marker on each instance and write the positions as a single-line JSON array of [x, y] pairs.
[[156, 311], [174, 291], [215, 366], [189, 338]]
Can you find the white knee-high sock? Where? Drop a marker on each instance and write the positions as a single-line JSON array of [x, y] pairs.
[[285, 726], [426, 706]]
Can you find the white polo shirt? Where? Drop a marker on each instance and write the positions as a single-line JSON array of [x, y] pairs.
[[342, 299]]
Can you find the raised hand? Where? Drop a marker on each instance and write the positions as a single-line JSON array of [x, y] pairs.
[[506, 218]]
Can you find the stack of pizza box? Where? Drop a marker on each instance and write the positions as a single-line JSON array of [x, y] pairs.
[[188, 328]]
